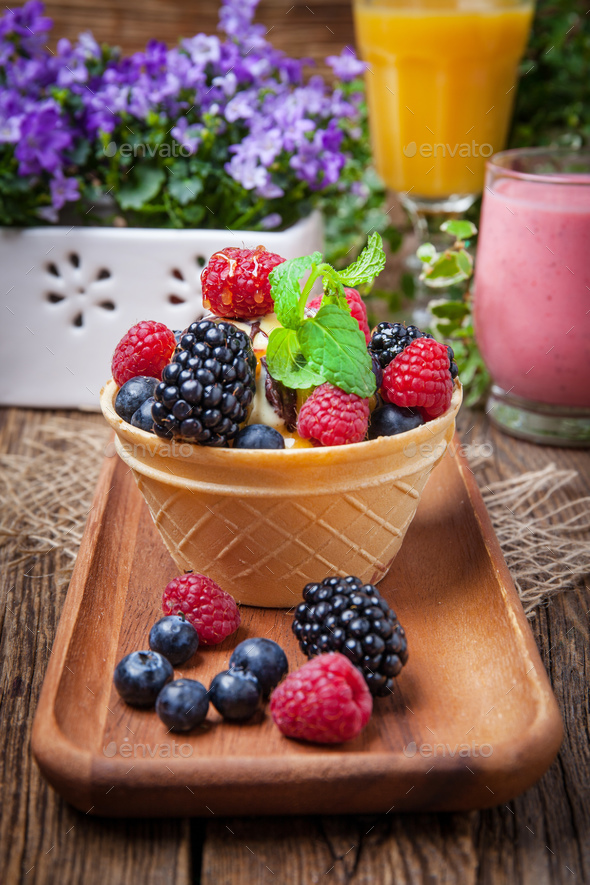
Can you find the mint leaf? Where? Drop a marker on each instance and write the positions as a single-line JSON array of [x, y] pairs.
[[335, 347], [286, 363], [368, 265], [286, 291], [461, 230]]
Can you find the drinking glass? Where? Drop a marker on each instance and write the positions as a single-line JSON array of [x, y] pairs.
[[532, 293], [440, 84]]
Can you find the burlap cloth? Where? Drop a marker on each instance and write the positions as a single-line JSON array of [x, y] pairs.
[[46, 494]]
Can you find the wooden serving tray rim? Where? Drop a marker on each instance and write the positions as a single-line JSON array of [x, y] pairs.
[[81, 770]]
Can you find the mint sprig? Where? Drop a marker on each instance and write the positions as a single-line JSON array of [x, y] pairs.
[[308, 351]]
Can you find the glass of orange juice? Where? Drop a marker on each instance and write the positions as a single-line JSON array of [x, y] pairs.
[[440, 82]]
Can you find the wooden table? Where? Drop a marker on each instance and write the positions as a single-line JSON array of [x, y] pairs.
[[541, 837]]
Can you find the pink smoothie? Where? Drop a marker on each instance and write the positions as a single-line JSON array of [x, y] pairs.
[[532, 288]]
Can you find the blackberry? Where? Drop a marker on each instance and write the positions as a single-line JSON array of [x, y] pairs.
[[207, 389], [389, 339], [345, 615]]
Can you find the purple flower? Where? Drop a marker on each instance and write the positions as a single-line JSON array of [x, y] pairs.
[[188, 136], [10, 130], [271, 221], [346, 66], [235, 19], [240, 107], [63, 190], [42, 142], [202, 49]]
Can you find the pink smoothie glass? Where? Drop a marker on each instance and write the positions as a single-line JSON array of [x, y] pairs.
[[532, 293]]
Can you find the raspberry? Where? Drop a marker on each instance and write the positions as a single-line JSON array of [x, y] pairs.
[[420, 377], [212, 612], [389, 339], [357, 309], [326, 701], [332, 417], [144, 350], [235, 282]]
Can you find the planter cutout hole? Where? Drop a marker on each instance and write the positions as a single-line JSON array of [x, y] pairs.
[[107, 305], [201, 260], [54, 298], [177, 274], [52, 269], [74, 259], [176, 299], [103, 274], [78, 320]]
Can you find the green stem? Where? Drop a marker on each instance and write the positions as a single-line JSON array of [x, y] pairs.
[[246, 216], [315, 273]]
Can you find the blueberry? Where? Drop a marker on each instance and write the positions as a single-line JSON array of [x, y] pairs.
[[264, 658], [140, 676], [175, 638], [388, 420], [259, 436], [142, 418], [182, 704], [132, 394], [235, 694]]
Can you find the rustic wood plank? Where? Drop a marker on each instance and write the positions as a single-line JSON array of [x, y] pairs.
[[42, 839]]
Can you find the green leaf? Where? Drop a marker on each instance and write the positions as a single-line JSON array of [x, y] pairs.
[[426, 252], [141, 185], [368, 265], [451, 310], [465, 262], [185, 190], [335, 347], [286, 291], [286, 362], [461, 230], [444, 272]]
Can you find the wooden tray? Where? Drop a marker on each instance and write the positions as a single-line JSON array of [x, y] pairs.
[[472, 722]]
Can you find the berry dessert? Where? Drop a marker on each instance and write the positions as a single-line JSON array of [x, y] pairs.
[[141, 675], [264, 659], [304, 415], [182, 704], [345, 615], [235, 694], [326, 701], [212, 612], [144, 350], [236, 282], [175, 638]]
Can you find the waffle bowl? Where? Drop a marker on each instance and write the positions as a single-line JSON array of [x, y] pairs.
[[263, 523]]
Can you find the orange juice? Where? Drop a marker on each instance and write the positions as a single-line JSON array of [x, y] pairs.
[[440, 85]]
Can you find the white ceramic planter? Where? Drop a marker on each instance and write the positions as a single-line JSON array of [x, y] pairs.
[[69, 294]]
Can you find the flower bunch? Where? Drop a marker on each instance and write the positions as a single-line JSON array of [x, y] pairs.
[[216, 132]]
